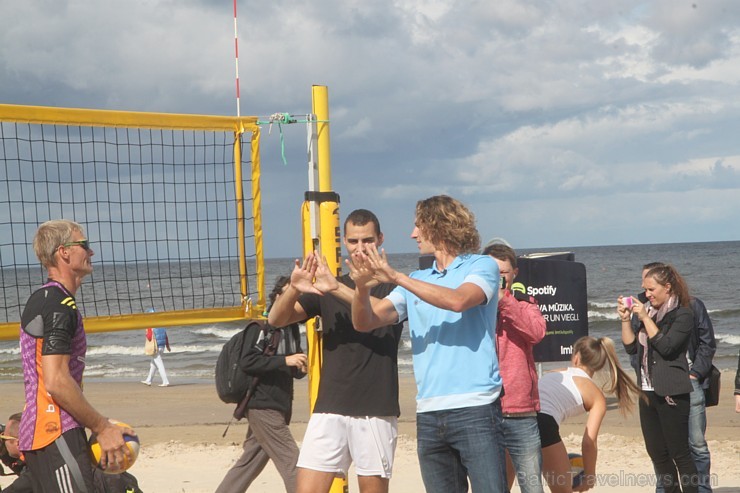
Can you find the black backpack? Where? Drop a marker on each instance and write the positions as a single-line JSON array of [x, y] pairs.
[[231, 382]]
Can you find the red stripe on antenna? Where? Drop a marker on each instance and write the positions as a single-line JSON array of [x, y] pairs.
[[236, 60]]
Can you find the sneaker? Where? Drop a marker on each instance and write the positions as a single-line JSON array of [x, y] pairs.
[[164, 384], [145, 382]]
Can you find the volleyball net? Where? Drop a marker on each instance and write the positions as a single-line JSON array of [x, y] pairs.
[[170, 205]]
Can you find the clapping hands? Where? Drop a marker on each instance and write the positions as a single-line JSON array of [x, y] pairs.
[[370, 266], [313, 275], [366, 268], [303, 274]]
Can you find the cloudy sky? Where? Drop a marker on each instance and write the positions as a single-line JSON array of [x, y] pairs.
[[560, 123]]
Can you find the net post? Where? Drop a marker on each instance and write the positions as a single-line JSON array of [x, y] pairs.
[[328, 214], [257, 215], [321, 110], [240, 235]]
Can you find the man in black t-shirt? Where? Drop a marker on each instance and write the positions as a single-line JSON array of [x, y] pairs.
[[355, 415]]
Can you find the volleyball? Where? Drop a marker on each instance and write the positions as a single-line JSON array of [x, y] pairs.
[[576, 468], [132, 442]]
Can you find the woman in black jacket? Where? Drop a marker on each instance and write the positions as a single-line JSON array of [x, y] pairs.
[[660, 343]]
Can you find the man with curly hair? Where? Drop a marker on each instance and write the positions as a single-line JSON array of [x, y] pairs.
[[451, 309]]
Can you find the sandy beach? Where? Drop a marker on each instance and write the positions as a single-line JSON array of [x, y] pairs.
[[180, 429]]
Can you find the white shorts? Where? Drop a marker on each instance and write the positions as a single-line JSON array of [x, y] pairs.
[[332, 442]]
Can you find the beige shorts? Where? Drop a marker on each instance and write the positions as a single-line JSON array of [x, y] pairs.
[[332, 442]]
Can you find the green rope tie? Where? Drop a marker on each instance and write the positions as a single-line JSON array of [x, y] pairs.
[[284, 118]]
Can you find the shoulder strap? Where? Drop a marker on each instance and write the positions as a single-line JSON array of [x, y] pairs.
[[274, 341], [296, 337], [69, 459]]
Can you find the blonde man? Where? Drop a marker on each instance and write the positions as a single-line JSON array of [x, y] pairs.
[[53, 346]]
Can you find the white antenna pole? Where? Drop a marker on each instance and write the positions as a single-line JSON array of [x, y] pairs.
[[236, 59]]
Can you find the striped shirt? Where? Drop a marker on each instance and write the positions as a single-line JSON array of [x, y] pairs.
[[51, 324]]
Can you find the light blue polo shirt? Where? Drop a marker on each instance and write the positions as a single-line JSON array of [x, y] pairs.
[[455, 362]]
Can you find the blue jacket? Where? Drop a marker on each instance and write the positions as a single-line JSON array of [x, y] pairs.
[[161, 336]]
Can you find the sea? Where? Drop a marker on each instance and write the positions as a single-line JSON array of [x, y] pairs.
[[712, 271]]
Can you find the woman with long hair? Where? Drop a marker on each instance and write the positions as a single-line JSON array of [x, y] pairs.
[[571, 392], [660, 342]]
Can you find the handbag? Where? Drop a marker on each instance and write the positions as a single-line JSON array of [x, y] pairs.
[[150, 346], [711, 393]]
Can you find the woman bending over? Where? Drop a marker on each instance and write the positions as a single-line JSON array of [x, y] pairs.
[[572, 392]]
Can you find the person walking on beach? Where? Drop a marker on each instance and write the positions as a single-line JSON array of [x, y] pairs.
[[156, 364], [271, 405], [53, 346], [572, 392], [702, 346], [519, 327], [661, 344], [355, 415], [451, 309]]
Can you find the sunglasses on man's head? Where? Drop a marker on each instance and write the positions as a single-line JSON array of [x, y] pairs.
[[83, 243]]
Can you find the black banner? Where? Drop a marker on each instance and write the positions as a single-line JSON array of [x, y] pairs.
[[559, 286]]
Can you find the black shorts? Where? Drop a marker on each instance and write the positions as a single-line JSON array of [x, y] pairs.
[[49, 471], [549, 430]]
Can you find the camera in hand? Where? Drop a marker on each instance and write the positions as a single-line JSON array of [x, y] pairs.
[[627, 300]]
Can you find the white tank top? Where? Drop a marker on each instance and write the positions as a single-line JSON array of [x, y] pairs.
[[559, 396]]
